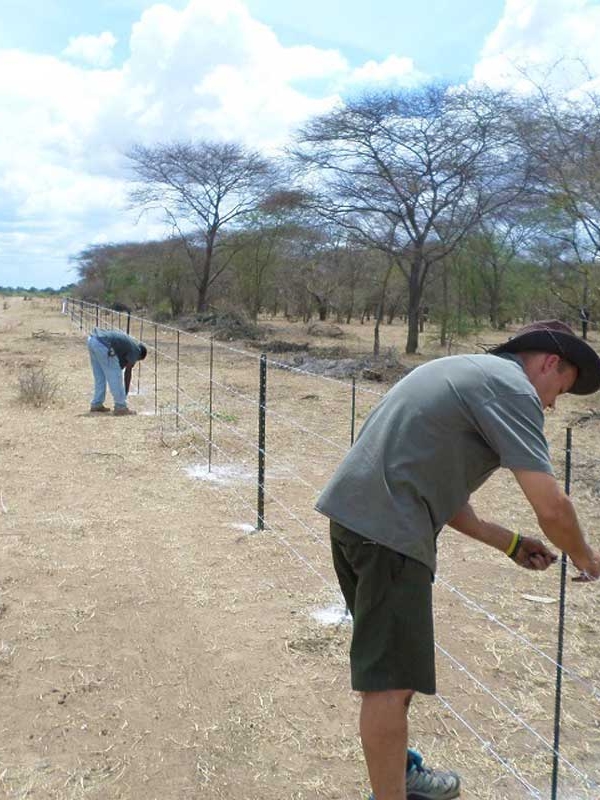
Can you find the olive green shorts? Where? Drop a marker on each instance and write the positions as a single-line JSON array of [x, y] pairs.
[[389, 597]]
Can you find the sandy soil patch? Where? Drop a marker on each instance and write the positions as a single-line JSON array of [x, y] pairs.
[[151, 646]]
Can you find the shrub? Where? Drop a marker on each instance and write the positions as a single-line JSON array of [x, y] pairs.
[[36, 387]]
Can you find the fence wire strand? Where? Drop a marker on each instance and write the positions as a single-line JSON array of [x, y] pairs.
[[77, 319]]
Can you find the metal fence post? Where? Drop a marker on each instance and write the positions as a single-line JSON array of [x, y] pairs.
[[210, 403], [139, 362], [177, 385], [353, 418], [155, 369], [561, 631], [262, 413]]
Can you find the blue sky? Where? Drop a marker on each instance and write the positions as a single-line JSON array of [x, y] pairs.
[[443, 37], [80, 82]]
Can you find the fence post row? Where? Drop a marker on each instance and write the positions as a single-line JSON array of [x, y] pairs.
[[260, 526], [262, 413]]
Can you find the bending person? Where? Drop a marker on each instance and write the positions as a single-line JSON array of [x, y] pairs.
[[112, 356]]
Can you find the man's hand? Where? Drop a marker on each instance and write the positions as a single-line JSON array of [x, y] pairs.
[[533, 554], [589, 567]]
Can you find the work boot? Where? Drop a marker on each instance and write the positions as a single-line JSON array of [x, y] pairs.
[[123, 412], [98, 408], [424, 783]]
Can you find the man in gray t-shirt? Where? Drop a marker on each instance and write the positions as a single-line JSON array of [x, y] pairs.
[[435, 437]]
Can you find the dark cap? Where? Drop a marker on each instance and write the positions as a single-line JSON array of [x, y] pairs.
[[553, 336]]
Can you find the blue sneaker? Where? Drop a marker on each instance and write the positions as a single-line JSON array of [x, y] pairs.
[[424, 783]]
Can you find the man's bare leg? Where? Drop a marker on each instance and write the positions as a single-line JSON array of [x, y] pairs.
[[384, 734]]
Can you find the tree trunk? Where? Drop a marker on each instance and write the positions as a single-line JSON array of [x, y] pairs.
[[414, 302], [445, 307], [495, 299], [380, 308], [584, 313], [202, 287]]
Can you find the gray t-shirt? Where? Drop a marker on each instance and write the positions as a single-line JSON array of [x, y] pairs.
[[436, 436]]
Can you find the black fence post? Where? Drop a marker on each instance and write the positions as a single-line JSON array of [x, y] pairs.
[[139, 362], [128, 322], [353, 418], [97, 314], [81, 315], [262, 414], [210, 403], [155, 369], [561, 632], [177, 385]]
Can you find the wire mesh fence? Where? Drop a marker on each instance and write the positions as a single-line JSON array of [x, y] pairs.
[[274, 433]]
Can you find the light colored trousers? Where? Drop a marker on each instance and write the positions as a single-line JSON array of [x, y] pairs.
[[106, 369]]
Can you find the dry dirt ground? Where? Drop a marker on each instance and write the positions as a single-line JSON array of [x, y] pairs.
[[152, 648]]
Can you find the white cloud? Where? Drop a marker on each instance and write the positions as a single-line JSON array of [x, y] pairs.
[[94, 50], [208, 70], [393, 69], [548, 40]]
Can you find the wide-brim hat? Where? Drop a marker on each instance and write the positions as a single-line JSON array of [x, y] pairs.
[[553, 336]]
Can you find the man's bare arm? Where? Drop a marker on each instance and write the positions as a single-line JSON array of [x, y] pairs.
[[127, 378], [531, 554], [558, 520]]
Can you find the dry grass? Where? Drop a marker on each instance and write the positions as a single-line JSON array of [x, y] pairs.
[[37, 387], [150, 649]]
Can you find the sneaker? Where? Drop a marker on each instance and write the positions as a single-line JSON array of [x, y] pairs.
[[424, 783], [98, 408], [124, 412]]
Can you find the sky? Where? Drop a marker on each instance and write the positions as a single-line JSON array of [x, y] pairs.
[[81, 82]]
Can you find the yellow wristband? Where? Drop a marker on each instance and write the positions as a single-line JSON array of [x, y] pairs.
[[515, 541]]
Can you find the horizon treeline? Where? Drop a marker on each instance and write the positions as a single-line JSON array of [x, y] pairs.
[[465, 206]]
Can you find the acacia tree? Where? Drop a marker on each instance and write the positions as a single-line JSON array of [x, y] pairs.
[[562, 134], [203, 189], [412, 173]]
